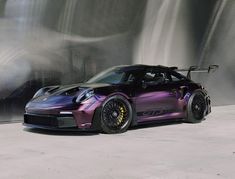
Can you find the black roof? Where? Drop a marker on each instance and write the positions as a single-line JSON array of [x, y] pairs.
[[142, 67]]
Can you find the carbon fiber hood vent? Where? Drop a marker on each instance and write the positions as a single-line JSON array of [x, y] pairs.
[[65, 90]]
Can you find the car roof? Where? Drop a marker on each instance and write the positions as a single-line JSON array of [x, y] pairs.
[[143, 67]]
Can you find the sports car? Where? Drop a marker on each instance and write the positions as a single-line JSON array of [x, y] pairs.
[[120, 97]]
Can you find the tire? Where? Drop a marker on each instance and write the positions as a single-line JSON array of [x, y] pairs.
[[196, 107], [116, 115]]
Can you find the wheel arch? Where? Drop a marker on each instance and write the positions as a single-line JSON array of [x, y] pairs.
[[130, 100], [96, 120], [191, 97]]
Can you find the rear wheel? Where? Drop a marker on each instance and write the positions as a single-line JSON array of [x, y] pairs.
[[196, 107], [116, 115]]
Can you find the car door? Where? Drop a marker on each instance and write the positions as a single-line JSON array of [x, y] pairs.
[[157, 98]]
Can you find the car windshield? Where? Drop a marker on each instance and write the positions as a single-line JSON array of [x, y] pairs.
[[112, 76]]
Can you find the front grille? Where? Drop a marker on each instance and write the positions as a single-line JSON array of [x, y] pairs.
[[41, 120]]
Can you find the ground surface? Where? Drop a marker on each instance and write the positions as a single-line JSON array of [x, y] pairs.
[[205, 150]]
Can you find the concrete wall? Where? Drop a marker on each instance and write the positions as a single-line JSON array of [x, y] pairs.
[[219, 49], [183, 33], [172, 32], [67, 41]]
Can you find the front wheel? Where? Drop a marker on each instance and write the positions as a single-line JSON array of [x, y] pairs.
[[116, 115], [196, 107]]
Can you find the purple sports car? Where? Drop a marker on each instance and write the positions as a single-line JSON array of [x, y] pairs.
[[120, 97]]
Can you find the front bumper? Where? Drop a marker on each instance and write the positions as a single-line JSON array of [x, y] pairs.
[[61, 122], [59, 117]]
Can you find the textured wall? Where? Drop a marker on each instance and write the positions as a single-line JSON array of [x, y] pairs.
[[183, 33], [220, 49], [67, 41], [64, 36], [45, 42], [172, 32]]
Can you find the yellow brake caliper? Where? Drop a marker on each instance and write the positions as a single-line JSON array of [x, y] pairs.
[[121, 115]]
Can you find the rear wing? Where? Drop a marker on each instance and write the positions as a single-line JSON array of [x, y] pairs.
[[197, 69]]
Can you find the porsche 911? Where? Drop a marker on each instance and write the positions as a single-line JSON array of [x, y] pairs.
[[120, 97]]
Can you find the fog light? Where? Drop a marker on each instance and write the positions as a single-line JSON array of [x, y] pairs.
[[66, 112]]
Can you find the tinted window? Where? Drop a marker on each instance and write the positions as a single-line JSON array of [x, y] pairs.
[[112, 77], [115, 76], [174, 78], [177, 77], [155, 77]]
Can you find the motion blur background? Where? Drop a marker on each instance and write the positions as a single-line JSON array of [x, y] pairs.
[[45, 42]]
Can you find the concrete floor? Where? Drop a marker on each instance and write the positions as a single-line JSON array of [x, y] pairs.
[[205, 150]]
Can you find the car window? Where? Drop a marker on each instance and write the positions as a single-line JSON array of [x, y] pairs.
[[116, 75], [174, 78], [155, 77], [177, 77], [130, 78], [112, 77]]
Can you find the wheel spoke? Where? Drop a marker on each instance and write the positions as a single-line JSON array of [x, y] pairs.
[[115, 114]]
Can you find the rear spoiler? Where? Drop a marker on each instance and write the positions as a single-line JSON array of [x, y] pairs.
[[197, 69]]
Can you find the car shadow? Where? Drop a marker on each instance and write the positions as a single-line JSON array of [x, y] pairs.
[[61, 133], [92, 133]]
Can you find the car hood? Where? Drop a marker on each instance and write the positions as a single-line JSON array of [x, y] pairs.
[[59, 96], [71, 90], [94, 85]]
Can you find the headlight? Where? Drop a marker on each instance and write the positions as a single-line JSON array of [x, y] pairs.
[[89, 94], [85, 95]]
